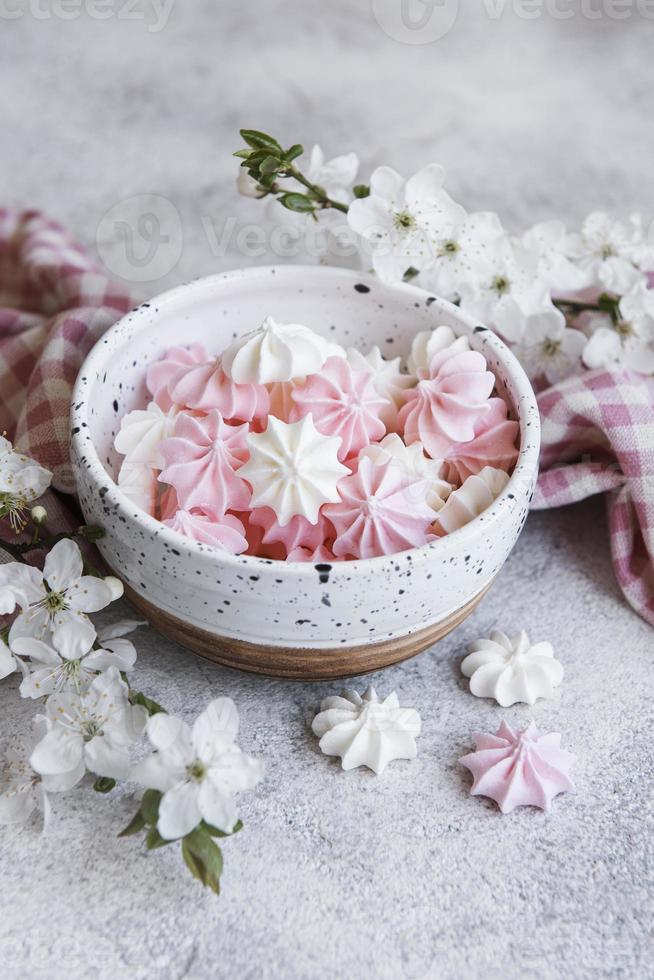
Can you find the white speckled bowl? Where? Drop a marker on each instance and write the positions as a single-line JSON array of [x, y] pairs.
[[289, 619]]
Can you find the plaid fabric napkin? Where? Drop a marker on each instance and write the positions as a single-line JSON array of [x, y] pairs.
[[598, 428], [598, 435]]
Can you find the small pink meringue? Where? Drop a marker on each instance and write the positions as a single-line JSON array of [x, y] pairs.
[[281, 401], [519, 768], [321, 553], [298, 533], [206, 386], [169, 368], [201, 462], [343, 403], [444, 407], [254, 534], [383, 510], [228, 533], [494, 444]]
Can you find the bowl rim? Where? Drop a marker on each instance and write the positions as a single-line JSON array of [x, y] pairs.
[[82, 443]]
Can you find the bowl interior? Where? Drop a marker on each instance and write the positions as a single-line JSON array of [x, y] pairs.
[[351, 309]]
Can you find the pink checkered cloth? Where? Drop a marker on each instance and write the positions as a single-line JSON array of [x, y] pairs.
[[598, 436], [598, 428]]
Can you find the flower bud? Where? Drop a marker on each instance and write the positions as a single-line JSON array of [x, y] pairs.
[[247, 186], [116, 586], [39, 514]]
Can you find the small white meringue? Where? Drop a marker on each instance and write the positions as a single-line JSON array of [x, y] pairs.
[[367, 731], [277, 352], [510, 669], [293, 468], [426, 343], [472, 498]]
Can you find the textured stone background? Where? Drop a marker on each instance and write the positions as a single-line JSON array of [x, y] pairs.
[[348, 875]]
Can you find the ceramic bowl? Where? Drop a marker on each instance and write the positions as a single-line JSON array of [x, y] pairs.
[[290, 619]]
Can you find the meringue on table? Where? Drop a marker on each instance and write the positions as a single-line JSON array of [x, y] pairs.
[[511, 669]]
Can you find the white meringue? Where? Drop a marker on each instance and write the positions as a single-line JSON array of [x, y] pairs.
[[277, 352], [293, 469], [366, 731], [426, 343], [414, 461], [476, 494], [138, 481], [511, 669], [142, 432], [388, 379]]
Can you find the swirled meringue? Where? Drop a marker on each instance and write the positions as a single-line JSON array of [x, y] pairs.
[[298, 533], [521, 768], [277, 352], [415, 463], [201, 460], [367, 731], [344, 403], [206, 386], [226, 533], [477, 493], [169, 368], [445, 407], [382, 510], [494, 444], [142, 432], [511, 670], [293, 468], [281, 398], [387, 377], [427, 343]]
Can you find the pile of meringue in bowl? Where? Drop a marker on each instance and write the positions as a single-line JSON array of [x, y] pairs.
[[288, 447]]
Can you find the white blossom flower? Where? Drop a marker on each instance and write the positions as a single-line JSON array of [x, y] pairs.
[[22, 789], [67, 661], [460, 252], [629, 342], [142, 432], [401, 221], [89, 730], [8, 662], [606, 249], [335, 176], [549, 348], [504, 289], [198, 770], [549, 240], [22, 480], [57, 598]]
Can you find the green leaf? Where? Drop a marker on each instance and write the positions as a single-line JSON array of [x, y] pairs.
[[104, 784], [150, 806], [242, 153], [255, 138], [297, 202], [221, 833], [152, 707], [135, 826], [293, 152], [361, 190], [269, 166], [203, 858], [154, 839], [91, 532]]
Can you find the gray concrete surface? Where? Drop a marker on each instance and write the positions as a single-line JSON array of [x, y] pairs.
[[348, 875]]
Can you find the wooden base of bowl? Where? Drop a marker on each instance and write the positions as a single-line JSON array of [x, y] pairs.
[[300, 663]]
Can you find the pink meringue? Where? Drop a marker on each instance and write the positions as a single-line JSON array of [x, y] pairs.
[[169, 368], [228, 533], [344, 403], [494, 444], [444, 407], [298, 533], [201, 461], [206, 386], [281, 401], [521, 768], [321, 553], [383, 510], [254, 535]]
